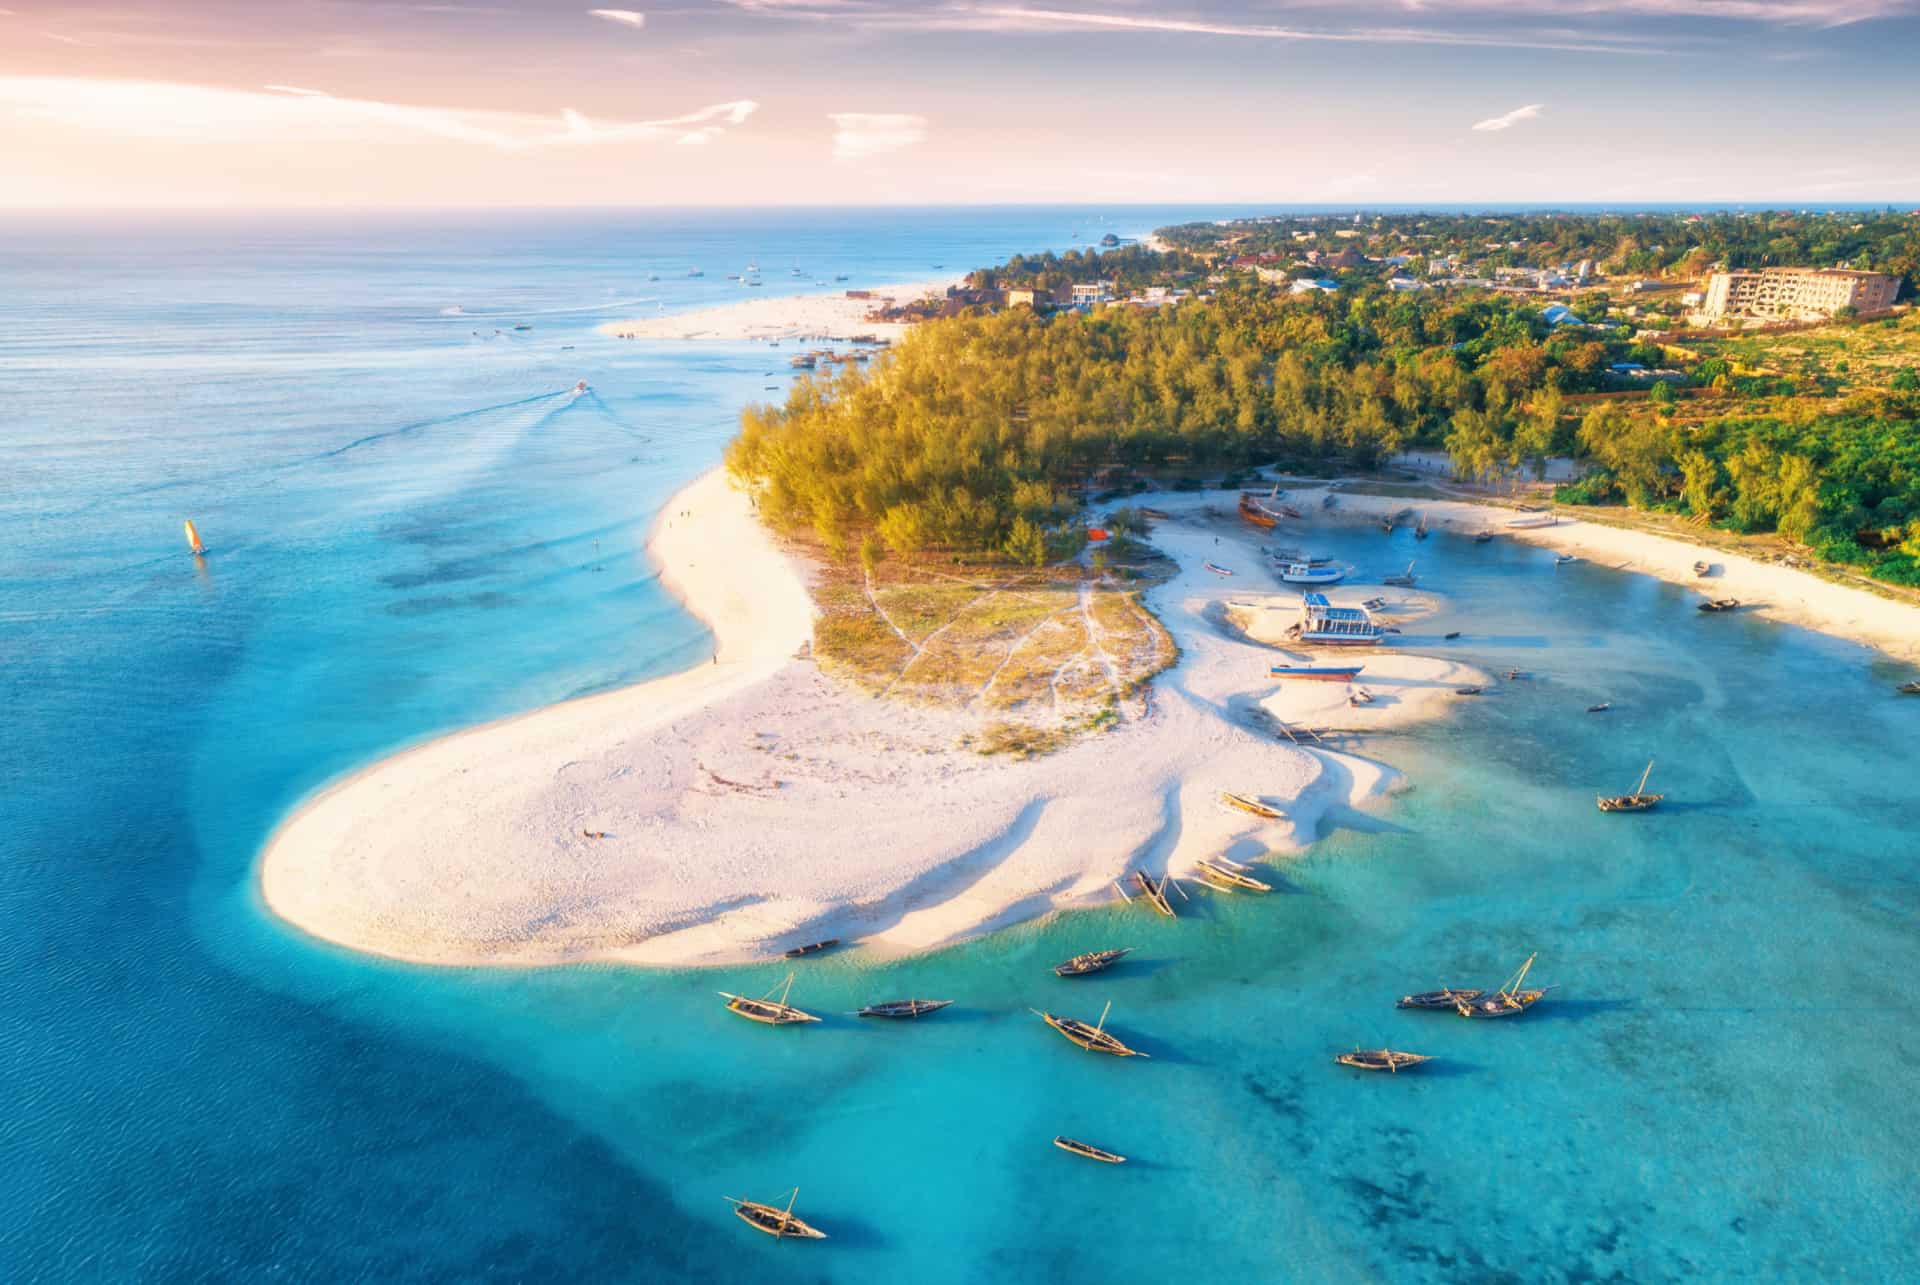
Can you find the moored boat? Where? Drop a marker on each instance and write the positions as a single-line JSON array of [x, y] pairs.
[[1381, 1059], [904, 1008], [1447, 997], [1482, 537], [1088, 1150], [1247, 803], [776, 1222], [771, 1012], [1255, 512], [1094, 1039], [1316, 673], [1155, 893], [1510, 999], [1404, 580], [1308, 573], [1224, 874], [1322, 622], [1217, 570], [1638, 801], [1719, 604], [1092, 961], [812, 948], [1562, 559], [1910, 688]]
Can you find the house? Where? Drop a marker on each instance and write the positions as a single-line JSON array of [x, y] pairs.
[[1020, 299], [1088, 293], [1558, 314], [1308, 287], [1400, 285]]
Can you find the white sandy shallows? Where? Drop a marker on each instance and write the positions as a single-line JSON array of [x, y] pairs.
[[754, 803], [809, 316]]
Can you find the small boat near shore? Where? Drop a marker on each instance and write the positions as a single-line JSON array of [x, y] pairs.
[[1087, 1149], [1092, 961], [1322, 622], [1316, 673], [1310, 573], [1095, 1038], [776, 1222], [904, 1008], [1255, 512], [1155, 893], [769, 1011], [1468, 691], [1482, 537], [1638, 801], [812, 948], [1216, 569], [1720, 604], [1447, 997], [1510, 999], [1247, 803], [1222, 873], [1404, 580], [1701, 568], [1562, 559], [1909, 688], [1392, 1060]]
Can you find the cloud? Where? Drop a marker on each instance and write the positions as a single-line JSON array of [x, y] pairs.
[[1511, 118], [182, 113], [625, 17], [858, 135]]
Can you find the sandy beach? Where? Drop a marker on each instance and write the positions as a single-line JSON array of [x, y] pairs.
[[807, 316], [728, 812]]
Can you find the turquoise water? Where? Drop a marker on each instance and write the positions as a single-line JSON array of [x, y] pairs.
[[415, 528]]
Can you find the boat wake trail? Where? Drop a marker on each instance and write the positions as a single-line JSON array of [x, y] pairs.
[[405, 429]]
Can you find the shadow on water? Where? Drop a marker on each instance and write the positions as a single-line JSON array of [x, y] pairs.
[[1577, 1010]]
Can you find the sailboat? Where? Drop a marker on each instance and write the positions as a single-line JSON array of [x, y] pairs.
[[1638, 801], [777, 1223], [193, 540], [1508, 1001], [772, 1012], [1094, 1039]]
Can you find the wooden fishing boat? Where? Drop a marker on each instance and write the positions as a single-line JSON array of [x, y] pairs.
[[1224, 875], [1316, 673], [194, 544], [1448, 997], [1562, 559], [813, 948], [1601, 708], [1217, 570], [904, 1008], [1450, 637], [776, 1222], [1404, 580], [1701, 568], [1255, 512], [1420, 528], [1719, 604], [1155, 893], [1381, 1059], [1468, 691], [1252, 805], [1510, 1000], [1638, 801], [1482, 537], [1088, 1150], [1910, 688], [1095, 1038], [772, 1012], [1091, 962]]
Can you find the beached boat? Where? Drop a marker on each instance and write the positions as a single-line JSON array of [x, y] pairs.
[[776, 1222], [813, 948], [1310, 573], [1449, 997], [1533, 520], [1230, 874], [194, 543], [1359, 696], [1638, 801], [1217, 570], [1381, 1059], [772, 1012], [1322, 622], [1510, 1000], [1088, 1150], [1246, 803], [904, 1008], [1719, 604], [1701, 568], [1404, 580], [1255, 512], [1091, 962], [1155, 893], [1316, 673], [1095, 1038]]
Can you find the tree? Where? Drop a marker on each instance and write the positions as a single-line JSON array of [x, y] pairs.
[[1025, 544]]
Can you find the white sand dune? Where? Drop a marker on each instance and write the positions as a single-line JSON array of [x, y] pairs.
[[808, 316], [753, 803]]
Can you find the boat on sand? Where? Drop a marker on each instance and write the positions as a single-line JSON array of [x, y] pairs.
[[1222, 873], [1247, 803]]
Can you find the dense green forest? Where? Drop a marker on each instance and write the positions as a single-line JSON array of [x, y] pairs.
[[982, 431]]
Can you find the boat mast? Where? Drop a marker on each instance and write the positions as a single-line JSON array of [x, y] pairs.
[[1103, 1018], [783, 1004], [1641, 788], [787, 1217]]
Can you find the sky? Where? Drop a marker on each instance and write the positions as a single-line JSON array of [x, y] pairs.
[[142, 104]]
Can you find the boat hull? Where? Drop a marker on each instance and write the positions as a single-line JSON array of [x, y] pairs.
[[1316, 673]]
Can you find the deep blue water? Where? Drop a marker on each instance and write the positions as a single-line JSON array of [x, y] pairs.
[[415, 527]]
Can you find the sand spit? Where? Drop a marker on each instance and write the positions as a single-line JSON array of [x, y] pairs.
[[808, 316]]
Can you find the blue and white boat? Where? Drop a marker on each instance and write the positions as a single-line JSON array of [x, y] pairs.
[[1322, 622], [1308, 573]]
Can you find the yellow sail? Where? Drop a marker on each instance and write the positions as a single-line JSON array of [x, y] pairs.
[[193, 538]]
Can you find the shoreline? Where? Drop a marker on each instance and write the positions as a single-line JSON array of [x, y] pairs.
[[777, 317]]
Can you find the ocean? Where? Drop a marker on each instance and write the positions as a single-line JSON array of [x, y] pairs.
[[415, 525]]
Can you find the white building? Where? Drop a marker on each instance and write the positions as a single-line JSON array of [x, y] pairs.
[[1797, 292], [1087, 294]]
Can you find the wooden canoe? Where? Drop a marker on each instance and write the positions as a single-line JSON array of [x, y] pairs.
[[776, 1222], [1155, 893], [1381, 1059], [1246, 803], [1225, 877], [770, 1011], [813, 948], [1093, 1038], [904, 1007], [1091, 962], [1088, 1150], [1449, 997]]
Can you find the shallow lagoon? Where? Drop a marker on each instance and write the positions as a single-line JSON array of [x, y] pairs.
[[1719, 1086]]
